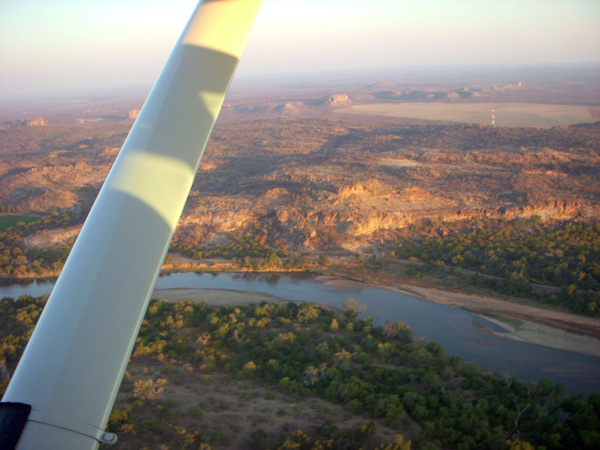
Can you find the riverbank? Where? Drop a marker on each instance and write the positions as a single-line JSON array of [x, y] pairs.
[[526, 323], [460, 333], [521, 322], [215, 297]]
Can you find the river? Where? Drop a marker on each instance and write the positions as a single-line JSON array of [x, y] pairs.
[[456, 330]]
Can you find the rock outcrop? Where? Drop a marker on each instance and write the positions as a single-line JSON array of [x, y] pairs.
[[37, 122], [337, 100], [370, 187], [52, 238]]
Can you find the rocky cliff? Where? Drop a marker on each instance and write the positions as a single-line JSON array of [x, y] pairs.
[[324, 184]]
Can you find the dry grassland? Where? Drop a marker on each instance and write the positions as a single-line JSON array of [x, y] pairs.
[[507, 114]]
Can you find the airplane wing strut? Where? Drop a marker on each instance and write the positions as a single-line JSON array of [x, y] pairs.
[[72, 367]]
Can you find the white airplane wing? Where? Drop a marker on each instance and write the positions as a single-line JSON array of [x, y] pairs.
[[72, 367]]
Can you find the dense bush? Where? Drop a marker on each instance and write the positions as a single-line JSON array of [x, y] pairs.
[[514, 257], [382, 374]]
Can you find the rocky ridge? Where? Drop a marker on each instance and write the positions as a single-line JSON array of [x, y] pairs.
[[317, 184]]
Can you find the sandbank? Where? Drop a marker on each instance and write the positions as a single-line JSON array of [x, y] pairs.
[[553, 329], [525, 323], [215, 297]]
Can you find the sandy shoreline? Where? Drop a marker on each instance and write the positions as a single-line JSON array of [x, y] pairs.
[[215, 297], [524, 320], [526, 323]]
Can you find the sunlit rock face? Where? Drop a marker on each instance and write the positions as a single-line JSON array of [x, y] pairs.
[[37, 122]]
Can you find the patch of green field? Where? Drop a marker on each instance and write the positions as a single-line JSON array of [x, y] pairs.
[[7, 220]]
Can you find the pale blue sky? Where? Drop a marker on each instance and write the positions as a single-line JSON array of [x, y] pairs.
[[56, 45]]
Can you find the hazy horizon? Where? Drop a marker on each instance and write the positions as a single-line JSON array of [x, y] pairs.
[[51, 47], [417, 75]]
